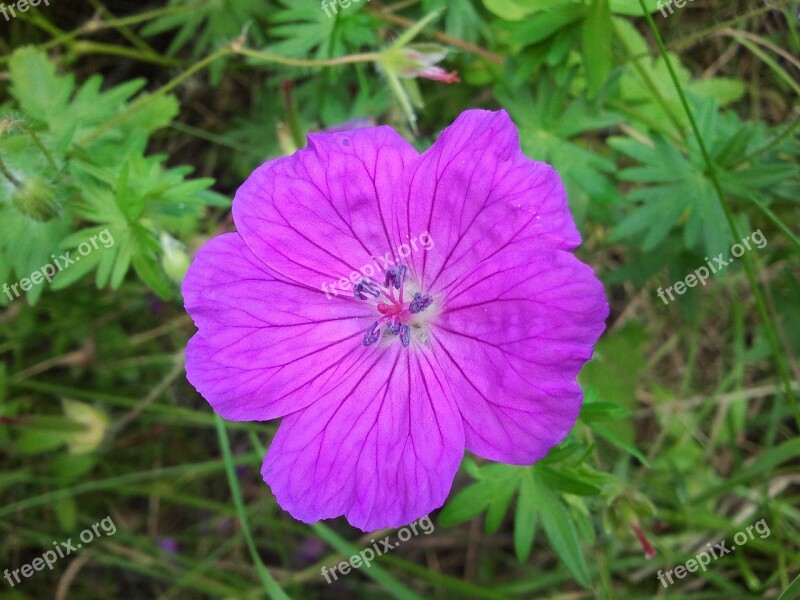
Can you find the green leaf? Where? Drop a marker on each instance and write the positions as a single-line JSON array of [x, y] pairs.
[[525, 519], [632, 7], [37, 441], [470, 502], [516, 10], [72, 273], [36, 86], [603, 411], [149, 271], [597, 52], [206, 23], [412, 32], [561, 532], [67, 513], [462, 19], [612, 437], [304, 30], [499, 505], [29, 244], [493, 491], [565, 481], [538, 28], [762, 467], [791, 592], [70, 468]]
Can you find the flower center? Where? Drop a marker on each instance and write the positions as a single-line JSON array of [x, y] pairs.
[[397, 314]]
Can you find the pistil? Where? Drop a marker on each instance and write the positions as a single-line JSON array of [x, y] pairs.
[[396, 314]]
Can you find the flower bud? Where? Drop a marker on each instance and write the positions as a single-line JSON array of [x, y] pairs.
[[419, 61], [35, 198], [623, 514], [175, 261], [95, 424]]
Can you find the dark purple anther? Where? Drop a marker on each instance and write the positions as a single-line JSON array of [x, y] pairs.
[[364, 288], [373, 334], [405, 335], [420, 302], [396, 277]]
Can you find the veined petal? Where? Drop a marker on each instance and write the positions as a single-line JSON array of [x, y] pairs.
[[324, 212], [265, 347], [476, 194], [511, 340], [381, 449]]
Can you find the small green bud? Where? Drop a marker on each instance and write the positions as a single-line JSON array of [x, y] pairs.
[[36, 199], [175, 261], [96, 426]]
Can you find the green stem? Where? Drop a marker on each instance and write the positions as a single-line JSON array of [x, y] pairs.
[[41, 146], [86, 47], [769, 326], [170, 474], [125, 31], [292, 116], [682, 43], [652, 88], [767, 60], [776, 220], [93, 26], [37, 20], [299, 62], [270, 585], [4, 170], [150, 15]]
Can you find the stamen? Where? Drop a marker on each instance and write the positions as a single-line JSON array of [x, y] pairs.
[[365, 286], [396, 277], [420, 302], [405, 335], [373, 334]]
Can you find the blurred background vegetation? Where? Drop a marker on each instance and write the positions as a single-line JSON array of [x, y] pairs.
[[676, 136]]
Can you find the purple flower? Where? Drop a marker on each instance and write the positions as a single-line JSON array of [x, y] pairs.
[[168, 544], [395, 309]]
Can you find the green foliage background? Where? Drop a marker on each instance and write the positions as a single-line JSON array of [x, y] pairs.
[[676, 136]]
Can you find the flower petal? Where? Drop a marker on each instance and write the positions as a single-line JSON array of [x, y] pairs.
[[511, 340], [382, 449], [324, 212], [476, 194], [266, 347]]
